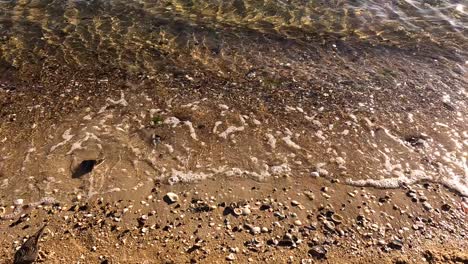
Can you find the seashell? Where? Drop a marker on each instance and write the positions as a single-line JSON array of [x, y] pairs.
[[237, 211], [336, 218]]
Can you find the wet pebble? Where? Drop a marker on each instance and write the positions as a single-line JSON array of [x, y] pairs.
[[318, 252], [396, 244], [171, 197], [427, 206], [231, 257], [246, 211], [446, 207]]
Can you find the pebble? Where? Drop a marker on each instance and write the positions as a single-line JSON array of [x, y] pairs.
[[318, 252], [246, 211], [322, 172], [18, 202], [295, 203], [255, 230], [172, 197], [298, 223], [231, 257], [309, 195], [396, 244], [315, 174], [446, 207], [329, 225], [427, 206]]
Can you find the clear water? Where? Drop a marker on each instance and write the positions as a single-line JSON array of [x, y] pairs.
[[150, 35]]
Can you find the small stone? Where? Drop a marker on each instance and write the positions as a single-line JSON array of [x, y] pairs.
[[264, 230], [144, 217], [322, 172], [246, 211], [231, 257], [255, 230], [396, 244], [298, 223], [329, 225], [295, 203], [315, 174], [171, 198], [446, 207], [427, 206], [309, 195], [18, 202], [318, 252]]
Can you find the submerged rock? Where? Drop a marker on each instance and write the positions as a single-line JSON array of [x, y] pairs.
[[85, 167]]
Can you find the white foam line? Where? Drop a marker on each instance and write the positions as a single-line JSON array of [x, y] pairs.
[[290, 143], [77, 145], [121, 101], [242, 119], [215, 128], [271, 140], [193, 134], [174, 121], [391, 183], [169, 148], [223, 107], [66, 137], [231, 129], [190, 176]]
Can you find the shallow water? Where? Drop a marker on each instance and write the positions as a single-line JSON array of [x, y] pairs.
[[372, 92], [150, 35]]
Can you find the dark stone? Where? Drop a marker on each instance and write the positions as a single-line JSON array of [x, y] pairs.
[[396, 244], [446, 207], [318, 252], [85, 167]]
